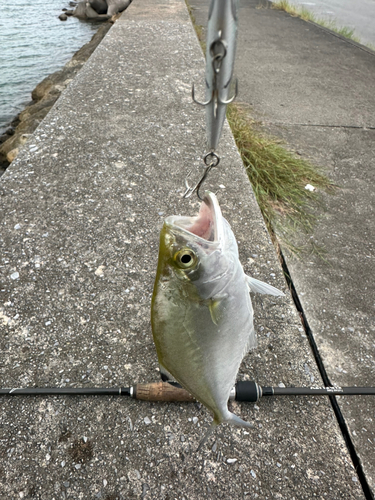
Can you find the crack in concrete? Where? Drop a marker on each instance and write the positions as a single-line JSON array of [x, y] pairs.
[[361, 127], [327, 383], [343, 38]]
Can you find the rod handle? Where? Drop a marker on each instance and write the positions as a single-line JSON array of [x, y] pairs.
[[161, 391]]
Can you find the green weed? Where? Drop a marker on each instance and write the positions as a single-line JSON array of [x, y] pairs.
[[278, 176]]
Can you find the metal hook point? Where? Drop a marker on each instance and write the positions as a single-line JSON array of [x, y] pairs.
[[210, 160], [189, 189], [228, 101], [194, 189], [197, 102]]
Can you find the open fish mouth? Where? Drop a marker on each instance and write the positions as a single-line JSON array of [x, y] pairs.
[[207, 225]]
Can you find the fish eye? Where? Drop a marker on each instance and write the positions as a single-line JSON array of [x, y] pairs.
[[185, 258]]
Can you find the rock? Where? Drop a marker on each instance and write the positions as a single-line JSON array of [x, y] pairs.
[[115, 6], [90, 12], [69, 13], [53, 84], [45, 85], [33, 109], [85, 11], [81, 56], [8, 133], [100, 9], [100, 6], [63, 17], [12, 155], [24, 130], [114, 18], [80, 10], [73, 4], [4, 137]]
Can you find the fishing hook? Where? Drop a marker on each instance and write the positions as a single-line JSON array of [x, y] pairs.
[[218, 51], [198, 102], [215, 97], [210, 160], [231, 99]]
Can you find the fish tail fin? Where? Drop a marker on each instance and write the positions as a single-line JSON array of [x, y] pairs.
[[232, 419], [207, 435]]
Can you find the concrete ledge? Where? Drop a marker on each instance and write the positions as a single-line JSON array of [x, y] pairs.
[[81, 208]]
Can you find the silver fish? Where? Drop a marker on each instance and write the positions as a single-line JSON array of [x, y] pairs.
[[220, 56], [202, 317]]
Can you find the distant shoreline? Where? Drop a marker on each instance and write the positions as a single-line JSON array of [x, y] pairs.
[[44, 96]]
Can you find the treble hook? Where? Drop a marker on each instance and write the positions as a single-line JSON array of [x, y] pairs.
[[201, 103], [215, 97], [215, 160], [231, 99], [218, 51]]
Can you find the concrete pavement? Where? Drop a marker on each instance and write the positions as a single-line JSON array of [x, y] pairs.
[[314, 89], [358, 15], [81, 207]]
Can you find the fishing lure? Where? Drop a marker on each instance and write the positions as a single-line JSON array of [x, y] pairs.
[[220, 56]]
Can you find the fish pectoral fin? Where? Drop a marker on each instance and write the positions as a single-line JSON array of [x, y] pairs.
[[261, 287], [215, 305]]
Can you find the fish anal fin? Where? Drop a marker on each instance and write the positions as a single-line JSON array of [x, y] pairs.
[[258, 286]]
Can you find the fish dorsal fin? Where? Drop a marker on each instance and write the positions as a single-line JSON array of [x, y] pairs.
[[261, 287]]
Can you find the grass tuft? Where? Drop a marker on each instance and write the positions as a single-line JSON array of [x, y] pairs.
[[198, 28], [278, 176]]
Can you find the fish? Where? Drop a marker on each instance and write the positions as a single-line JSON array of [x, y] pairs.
[[220, 56], [201, 312]]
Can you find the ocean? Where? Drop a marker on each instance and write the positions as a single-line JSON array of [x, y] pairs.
[[33, 44]]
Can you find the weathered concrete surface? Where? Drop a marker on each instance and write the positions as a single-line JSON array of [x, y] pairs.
[[314, 90], [81, 210]]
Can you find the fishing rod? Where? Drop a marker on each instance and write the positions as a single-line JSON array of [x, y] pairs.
[[246, 391]]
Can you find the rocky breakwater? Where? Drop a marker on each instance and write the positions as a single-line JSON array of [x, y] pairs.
[[95, 9], [44, 97]]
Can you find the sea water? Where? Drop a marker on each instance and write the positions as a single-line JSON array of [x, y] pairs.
[[33, 44]]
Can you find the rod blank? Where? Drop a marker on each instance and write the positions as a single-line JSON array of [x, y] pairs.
[[247, 391], [66, 391]]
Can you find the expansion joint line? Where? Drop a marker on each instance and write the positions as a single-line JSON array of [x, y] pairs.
[[335, 406], [343, 38], [321, 125]]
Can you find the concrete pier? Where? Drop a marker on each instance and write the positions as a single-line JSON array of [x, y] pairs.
[[81, 210]]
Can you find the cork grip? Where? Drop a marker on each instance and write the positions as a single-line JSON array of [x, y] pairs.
[[161, 391]]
